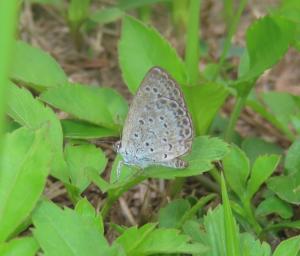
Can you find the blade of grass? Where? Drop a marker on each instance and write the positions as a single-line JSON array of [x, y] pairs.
[[231, 230], [192, 42], [8, 17]]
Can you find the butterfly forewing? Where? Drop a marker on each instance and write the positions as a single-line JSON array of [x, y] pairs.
[[158, 127]]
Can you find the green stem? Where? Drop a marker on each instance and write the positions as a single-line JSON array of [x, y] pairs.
[[115, 193], [175, 187], [145, 13], [239, 105], [192, 42], [216, 175], [8, 21], [250, 216], [179, 14], [227, 44]]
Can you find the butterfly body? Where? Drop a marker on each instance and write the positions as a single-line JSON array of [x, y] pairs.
[[158, 129]]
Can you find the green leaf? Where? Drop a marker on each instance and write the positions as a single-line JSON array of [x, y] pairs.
[[204, 102], [205, 150], [252, 247], [76, 129], [266, 49], [80, 159], [100, 106], [147, 241], [193, 229], [86, 210], [289, 106], [273, 204], [29, 112], [286, 187], [262, 110], [231, 230], [292, 160], [171, 215], [24, 168], [289, 9], [289, 247], [254, 147], [107, 15], [236, 168], [137, 55], [214, 237], [36, 68], [26, 246], [262, 169], [66, 232]]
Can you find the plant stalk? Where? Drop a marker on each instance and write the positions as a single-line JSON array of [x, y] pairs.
[[8, 21], [239, 105], [192, 42], [231, 31]]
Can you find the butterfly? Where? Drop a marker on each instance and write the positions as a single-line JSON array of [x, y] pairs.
[[158, 129]]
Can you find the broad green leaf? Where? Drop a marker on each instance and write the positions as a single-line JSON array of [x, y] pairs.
[[137, 55], [204, 102], [236, 169], [289, 247], [28, 111], [26, 246], [287, 187], [80, 159], [292, 160], [273, 204], [266, 49], [214, 236], [106, 15], [289, 9], [193, 229], [66, 232], [232, 242], [205, 150], [147, 241], [252, 247], [254, 147], [262, 169], [285, 109], [24, 168], [171, 215], [76, 129], [86, 210], [36, 68], [97, 105], [258, 107]]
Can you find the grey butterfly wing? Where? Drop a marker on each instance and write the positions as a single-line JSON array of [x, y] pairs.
[[158, 127]]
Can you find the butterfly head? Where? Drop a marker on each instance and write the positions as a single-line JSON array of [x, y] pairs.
[[117, 146]]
